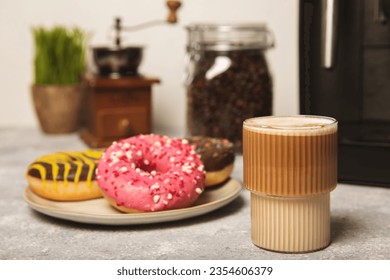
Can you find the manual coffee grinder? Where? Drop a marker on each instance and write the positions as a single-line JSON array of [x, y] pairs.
[[118, 97]]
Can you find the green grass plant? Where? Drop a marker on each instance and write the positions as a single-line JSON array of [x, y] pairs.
[[59, 55]]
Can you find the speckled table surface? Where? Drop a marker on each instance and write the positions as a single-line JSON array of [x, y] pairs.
[[360, 220]]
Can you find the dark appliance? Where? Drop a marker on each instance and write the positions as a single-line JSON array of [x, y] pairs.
[[344, 67]]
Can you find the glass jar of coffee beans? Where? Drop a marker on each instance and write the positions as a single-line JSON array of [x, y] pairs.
[[228, 79]]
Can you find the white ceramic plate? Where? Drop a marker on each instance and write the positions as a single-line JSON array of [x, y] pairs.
[[98, 211]]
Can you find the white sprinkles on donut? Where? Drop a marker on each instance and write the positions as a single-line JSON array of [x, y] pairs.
[[151, 173]]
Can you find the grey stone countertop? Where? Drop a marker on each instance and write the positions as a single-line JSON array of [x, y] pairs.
[[360, 220]]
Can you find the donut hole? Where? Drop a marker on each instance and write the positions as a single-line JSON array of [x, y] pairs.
[[149, 165], [145, 165]]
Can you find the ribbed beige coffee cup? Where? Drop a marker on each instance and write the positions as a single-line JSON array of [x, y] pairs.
[[290, 167]]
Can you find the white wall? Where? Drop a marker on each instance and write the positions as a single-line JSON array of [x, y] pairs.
[[163, 56]]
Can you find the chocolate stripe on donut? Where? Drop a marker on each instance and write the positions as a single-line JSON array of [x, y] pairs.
[[66, 166]]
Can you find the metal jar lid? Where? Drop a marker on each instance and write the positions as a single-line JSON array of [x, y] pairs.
[[226, 37]]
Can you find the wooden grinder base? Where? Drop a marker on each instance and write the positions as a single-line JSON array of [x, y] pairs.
[[116, 108]]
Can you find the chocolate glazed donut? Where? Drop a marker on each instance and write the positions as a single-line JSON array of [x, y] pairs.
[[217, 155], [65, 175]]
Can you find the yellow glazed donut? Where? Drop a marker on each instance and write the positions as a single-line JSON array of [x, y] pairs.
[[65, 176]]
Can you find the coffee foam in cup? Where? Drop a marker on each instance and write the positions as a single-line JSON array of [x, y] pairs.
[[292, 125]]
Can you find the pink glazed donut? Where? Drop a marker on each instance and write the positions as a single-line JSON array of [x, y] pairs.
[[151, 172]]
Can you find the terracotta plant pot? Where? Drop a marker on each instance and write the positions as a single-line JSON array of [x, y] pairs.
[[58, 107]]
